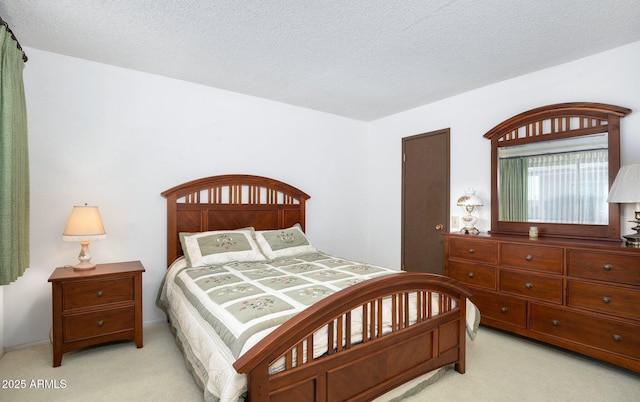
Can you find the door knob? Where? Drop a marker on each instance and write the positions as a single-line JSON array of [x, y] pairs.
[[439, 226]]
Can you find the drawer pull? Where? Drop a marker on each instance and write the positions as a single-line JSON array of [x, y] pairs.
[[555, 323], [503, 309], [529, 257], [100, 323], [471, 251], [606, 300], [100, 293], [607, 267], [617, 338], [471, 274], [528, 285]]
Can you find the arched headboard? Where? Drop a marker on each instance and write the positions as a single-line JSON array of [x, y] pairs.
[[231, 202]]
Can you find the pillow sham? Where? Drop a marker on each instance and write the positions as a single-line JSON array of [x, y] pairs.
[[220, 247], [284, 242]]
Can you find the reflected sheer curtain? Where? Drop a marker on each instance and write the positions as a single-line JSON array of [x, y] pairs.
[[559, 188], [569, 188], [14, 161]]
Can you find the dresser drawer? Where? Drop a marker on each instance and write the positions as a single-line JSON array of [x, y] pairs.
[[474, 250], [609, 335], [547, 259], [98, 323], [532, 286], [471, 274], [501, 308], [621, 268], [607, 299], [94, 293]]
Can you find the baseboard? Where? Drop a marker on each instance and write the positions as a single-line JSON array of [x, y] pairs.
[[25, 345], [154, 322], [48, 341]]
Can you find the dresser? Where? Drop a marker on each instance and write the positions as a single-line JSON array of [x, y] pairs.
[[580, 295], [96, 306]]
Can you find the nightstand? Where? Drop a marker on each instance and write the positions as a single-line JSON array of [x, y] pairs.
[[96, 306]]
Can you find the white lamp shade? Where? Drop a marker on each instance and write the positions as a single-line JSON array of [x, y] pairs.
[[470, 199], [84, 224], [626, 186]]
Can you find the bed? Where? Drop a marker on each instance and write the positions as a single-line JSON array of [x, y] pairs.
[[318, 328]]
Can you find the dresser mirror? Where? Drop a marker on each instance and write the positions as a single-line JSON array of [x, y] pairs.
[[552, 167], [557, 181]]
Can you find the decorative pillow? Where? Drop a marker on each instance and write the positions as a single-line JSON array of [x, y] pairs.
[[284, 242], [184, 245], [220, 247]]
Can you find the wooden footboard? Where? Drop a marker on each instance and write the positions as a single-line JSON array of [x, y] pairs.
[[413, 341]]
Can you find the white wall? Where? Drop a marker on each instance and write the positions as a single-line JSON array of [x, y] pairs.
[[117, 138], [610, 77]]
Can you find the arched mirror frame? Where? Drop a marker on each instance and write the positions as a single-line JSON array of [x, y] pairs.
[[552, 122]]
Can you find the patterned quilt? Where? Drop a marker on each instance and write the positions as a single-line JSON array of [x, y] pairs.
[[221, 311], [240, 300]]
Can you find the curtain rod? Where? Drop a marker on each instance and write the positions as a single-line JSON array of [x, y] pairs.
[[24, 55]]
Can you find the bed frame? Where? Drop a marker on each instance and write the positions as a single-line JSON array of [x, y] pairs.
[[359, 370]]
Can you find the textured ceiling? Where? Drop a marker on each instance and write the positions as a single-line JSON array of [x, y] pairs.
[[363, 59]]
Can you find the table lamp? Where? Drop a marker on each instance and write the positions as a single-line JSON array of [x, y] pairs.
[[84, 225], [626, 190], [469, 203]]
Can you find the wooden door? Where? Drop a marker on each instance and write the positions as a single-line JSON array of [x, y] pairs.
[[425, 201]]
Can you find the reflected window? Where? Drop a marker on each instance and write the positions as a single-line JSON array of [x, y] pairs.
[[568, 186]]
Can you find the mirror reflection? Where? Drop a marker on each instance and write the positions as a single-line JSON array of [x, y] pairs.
[[558, 181]]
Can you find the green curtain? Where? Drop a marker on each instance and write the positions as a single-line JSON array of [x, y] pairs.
[[513, 191], [14, 161]]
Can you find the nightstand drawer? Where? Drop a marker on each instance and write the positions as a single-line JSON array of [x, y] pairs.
[[95, 293], [532, 286], [603, 298], [98, 323], [474, 250], [548, 259], [610, 335], [471, 274], [604, 266]]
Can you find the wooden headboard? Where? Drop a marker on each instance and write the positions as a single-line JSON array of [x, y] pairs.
[[231, 202]]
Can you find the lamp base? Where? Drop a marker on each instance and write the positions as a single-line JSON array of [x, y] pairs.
[[84, 257], [84, 266], [633, 240], [469, 222], [469, 230]]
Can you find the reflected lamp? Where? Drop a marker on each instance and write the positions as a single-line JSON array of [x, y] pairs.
[[626, 190], [84, 225]]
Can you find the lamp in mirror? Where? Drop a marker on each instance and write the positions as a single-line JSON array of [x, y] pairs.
[[84, 225], [626, 190], [469, 203]]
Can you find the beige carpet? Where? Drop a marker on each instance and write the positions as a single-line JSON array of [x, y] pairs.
[[500, 367]]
